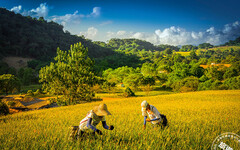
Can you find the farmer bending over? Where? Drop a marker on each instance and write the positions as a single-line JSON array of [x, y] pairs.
[[152, 112], [93, 118]]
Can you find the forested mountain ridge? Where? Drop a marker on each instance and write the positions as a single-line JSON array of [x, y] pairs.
[[235, 42], [37, 38], [136, 44]]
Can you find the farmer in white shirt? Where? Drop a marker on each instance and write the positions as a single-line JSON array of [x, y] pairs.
[[93, 118], [152, 112]]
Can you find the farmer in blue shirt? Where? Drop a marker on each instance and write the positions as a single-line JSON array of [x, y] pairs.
[[93, 118]]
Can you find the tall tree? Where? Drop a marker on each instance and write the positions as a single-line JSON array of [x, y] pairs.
[[71, 75]]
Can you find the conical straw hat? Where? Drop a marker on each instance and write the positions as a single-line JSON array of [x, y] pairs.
[[101, 110], [144, 104]]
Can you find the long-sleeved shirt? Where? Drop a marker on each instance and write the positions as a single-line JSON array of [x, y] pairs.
[[91, 120], [104, 124], [153, 114]]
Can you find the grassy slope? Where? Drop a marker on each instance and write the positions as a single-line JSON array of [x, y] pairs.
[[195, 120]]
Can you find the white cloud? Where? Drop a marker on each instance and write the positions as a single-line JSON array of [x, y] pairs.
[[75, 18], [90, 33], [96, 12], [180, 36], [41, 11], [121, 33], [110, 35], [17, 9], [68, 18]]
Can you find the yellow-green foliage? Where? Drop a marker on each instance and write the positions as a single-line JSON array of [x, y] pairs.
[[195, 120], [183, 53], [223, 48]]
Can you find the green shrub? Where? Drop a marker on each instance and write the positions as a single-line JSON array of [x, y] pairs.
[[205, 85], [232, 83], [4, 110], [62, 102], [216, 85], [184, 89], [186, 85], [38, 92], [203, 78], [128, 92], [29, 93], [212, 85], [52, 100], [11, 103]]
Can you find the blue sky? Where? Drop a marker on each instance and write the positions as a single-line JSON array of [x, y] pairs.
[[175, 22]]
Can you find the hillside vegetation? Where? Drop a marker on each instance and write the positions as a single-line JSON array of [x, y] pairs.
[[195, 120], [37, 38]]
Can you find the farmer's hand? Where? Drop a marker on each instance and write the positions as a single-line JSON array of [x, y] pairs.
[[144, 127], [111, 127], [148, 120], [99, 132]]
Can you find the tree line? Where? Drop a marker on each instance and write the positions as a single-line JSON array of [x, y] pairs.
[[72, 74]]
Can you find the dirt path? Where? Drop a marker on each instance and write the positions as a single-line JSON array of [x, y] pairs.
[[36, 103], [31, 102], [39, 104]]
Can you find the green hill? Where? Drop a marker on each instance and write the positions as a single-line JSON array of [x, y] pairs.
[[37, 38]]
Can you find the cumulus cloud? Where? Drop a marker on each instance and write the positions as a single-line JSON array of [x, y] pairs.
[[75, 18], [96, 12], [121, 33], [41, 11], [17, 9], [90, 33], [180, 36]]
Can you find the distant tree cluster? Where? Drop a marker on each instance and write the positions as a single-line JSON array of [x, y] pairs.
[[205, 46], [183, 73], [129, 76], [122, 44], [235, 42], [165, 46], [186, 48]]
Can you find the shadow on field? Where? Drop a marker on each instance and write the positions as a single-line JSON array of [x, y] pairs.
[[91, 138], [123, 140]]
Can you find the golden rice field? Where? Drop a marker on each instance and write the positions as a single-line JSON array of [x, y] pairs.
[[195, 120]]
